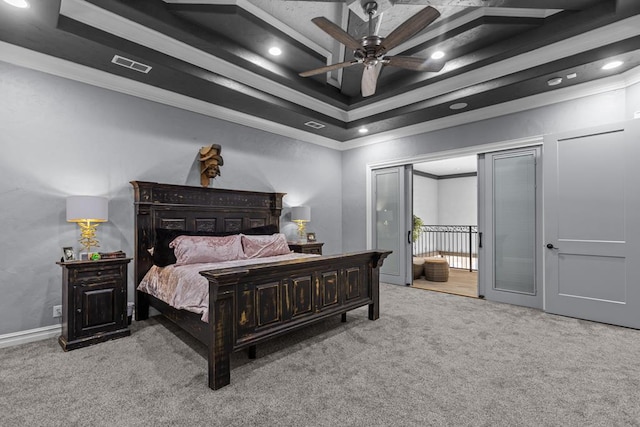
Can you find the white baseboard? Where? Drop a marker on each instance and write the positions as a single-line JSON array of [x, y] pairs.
[[31, 335]]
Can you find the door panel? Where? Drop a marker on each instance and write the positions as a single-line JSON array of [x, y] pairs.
[[592, 206], [391, 212], [589, 166], [582, 276], [510, 212], [514, 213]]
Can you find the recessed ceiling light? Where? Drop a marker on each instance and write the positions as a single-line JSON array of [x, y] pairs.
[[275, 51], [458, 106], [23, 4], [611, 65], [363, 130], [554, 81], [437, 54], [572, 75]]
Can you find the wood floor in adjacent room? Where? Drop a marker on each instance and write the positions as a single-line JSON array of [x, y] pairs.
[[461, 282]]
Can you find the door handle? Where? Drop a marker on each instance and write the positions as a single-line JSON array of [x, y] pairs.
[[550, 246], [409, 237]]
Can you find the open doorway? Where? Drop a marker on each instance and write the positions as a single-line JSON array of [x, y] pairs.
[[445, 231]]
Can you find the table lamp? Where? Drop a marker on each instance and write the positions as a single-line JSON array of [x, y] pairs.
[[301, 215], [87, 212]]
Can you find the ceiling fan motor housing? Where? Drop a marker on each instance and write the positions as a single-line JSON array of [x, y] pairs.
[[370, 45]]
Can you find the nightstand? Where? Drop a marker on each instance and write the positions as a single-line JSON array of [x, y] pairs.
[[94, 302], [307, 248]]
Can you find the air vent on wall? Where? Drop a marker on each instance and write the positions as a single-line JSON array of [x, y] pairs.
[[314, 125], [128, 63]]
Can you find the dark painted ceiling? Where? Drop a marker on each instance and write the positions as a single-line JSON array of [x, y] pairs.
[[216, 51]]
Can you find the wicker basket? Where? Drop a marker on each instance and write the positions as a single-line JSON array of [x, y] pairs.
[[418, 267], [436, 269]]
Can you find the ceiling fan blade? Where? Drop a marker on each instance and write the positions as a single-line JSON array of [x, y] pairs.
[[409, 28], [370, 79], [328, 68], [336, 32], [417, 64]]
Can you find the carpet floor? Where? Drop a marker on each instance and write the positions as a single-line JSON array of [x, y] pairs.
[[432, 359]]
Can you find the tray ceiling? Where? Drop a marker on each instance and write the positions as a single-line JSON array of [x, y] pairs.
[[211, 56]]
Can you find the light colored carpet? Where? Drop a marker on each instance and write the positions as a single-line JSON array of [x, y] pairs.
[[431, 359]]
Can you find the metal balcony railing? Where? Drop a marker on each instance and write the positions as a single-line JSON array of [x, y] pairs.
[[457, 243]]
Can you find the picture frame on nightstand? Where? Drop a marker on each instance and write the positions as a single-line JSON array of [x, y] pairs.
[[311, 237], [68, 254]]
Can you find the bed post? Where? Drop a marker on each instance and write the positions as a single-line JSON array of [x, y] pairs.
[[221, 329], [376, 262], [143, 241]]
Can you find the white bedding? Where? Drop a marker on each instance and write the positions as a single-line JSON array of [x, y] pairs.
[[182, 286]]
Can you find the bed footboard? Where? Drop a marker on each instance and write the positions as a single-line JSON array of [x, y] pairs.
[[248, 305]]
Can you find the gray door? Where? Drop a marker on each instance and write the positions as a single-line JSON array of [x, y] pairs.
[[592, 224], [510, 270], [391, 212]]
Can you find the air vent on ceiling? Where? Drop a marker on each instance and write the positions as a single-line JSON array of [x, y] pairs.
[[314, 125], [128, 63]]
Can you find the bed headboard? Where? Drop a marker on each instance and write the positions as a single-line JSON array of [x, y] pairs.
[[182, 207]]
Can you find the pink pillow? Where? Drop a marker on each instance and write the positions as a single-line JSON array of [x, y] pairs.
[[264, 246], [199, 249]]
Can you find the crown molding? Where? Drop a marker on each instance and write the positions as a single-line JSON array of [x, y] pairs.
[[119, 26], [607, 84], [122, 27], [59, 67], [437, 30], [599, 37], [55, 66]]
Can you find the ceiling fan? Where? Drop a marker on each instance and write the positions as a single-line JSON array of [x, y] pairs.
[[370, 50]]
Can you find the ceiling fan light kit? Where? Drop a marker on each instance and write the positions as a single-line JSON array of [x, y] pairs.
[[370, 50]]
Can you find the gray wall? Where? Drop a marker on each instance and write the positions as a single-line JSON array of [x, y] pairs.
[[425, 199], [450, 201], [458, 201], [633, 100], [62, 138], [586, 112]]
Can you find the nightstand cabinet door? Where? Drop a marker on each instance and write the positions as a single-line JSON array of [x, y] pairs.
[[99, 306], [94, 302]]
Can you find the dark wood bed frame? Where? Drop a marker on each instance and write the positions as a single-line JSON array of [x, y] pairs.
[[248, 305]]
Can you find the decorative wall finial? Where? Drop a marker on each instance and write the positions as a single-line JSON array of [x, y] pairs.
[[210, 162]]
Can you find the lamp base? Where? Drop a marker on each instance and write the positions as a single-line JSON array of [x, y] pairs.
[[302, 234]]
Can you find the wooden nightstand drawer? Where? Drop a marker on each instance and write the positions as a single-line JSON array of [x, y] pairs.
[[95, 273]]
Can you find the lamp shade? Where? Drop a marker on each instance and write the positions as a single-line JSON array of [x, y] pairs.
[[301, 213], [87, 208]]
